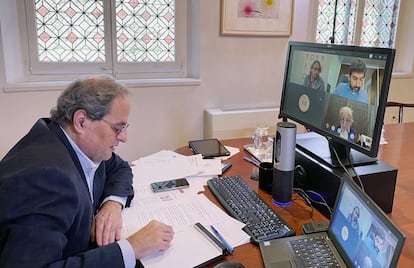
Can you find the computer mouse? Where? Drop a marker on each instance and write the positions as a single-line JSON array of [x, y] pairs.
[[255, 176], [229, 265]]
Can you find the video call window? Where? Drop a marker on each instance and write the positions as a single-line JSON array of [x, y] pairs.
[[350, 82], [334, 69], [363, 237]]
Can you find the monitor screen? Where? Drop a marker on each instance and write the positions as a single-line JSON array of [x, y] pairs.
[[339, 92]]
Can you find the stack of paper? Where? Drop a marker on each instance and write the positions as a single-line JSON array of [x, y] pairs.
[[180, 208]]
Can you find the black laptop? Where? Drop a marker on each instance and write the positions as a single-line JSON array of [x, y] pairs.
[[359, 235]]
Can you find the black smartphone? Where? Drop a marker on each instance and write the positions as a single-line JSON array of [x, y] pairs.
[[315, 227], [167, 185]]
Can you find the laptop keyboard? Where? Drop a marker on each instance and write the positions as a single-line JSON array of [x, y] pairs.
[[314, 252], [243, 203]]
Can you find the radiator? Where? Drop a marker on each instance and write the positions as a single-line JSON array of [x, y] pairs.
[[228, 123]]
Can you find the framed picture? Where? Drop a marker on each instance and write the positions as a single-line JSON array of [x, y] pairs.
[[256, 17]]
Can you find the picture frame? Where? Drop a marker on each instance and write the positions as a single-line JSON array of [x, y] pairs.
[[256, 17]]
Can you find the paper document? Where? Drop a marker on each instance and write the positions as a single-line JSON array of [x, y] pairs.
[[181, 209], [174, 211], [153, 168], [189, 248]]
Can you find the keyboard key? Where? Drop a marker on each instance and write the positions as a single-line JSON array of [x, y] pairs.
[[314, 252]]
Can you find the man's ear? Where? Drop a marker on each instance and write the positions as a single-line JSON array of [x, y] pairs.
[[80, 120]]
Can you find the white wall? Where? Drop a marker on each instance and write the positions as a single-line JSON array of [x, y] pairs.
[[234, 71], [402, 86]]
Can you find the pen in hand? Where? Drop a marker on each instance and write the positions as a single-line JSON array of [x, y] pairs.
[[221, 238]]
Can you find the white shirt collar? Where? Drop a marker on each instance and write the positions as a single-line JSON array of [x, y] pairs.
[[88, 166]]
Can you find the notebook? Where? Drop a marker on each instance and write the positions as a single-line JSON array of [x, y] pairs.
[[359, 235]]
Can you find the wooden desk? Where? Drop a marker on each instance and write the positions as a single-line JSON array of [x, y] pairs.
[[398, 153], [296, 214]]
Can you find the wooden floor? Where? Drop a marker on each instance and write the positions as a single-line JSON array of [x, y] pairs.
[[399, 152]]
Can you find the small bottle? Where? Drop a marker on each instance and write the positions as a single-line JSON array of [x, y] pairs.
[[260, 136]]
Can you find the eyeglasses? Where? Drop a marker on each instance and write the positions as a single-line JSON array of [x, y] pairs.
[[115, 128]]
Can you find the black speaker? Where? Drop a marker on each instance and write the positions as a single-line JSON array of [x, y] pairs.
[[283, 163], [379, 180]]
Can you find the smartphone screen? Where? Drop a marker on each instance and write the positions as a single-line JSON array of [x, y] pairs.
[[169, 185]]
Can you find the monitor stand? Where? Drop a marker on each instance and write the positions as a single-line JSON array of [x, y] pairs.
[[318, 147]]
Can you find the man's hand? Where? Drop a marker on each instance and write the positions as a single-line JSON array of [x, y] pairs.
[[152, 238], [107, 224]]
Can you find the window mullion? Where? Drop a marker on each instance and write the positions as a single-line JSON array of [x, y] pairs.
[[110, 37], [359, 21]]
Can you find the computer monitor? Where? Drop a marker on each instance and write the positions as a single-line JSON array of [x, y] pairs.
[[345, 106]]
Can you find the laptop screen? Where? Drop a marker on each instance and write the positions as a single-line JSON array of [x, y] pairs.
[[362, 231]]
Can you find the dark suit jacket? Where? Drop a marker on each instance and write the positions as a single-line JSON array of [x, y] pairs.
[[45, 207], [352, 135]]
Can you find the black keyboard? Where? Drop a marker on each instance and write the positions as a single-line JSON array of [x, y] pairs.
[[314, 252], [243, 203]]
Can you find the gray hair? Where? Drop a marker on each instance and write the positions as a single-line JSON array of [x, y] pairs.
[[347, 110], [94, 94]]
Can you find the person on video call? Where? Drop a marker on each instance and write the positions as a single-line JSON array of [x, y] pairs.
[[354, 89], [353, 218], [344, 128], [62, 187], [313, 80], [376, 244]]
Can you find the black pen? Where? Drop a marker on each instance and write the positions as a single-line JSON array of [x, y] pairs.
[[212, 238], [254, 162]]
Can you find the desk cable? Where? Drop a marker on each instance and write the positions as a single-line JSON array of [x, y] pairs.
[[305, 199], [304, 194], [361, 185]]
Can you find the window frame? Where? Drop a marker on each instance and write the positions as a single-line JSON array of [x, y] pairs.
[[403, 65], [147, 70]]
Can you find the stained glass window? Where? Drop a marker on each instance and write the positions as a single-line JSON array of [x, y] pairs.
[[74, 31], [378, 22], [344, 21], [70, 31], [145, 31]]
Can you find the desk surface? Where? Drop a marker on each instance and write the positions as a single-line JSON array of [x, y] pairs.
[[397, 152]]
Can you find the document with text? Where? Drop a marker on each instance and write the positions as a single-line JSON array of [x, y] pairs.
[[189, 247]]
